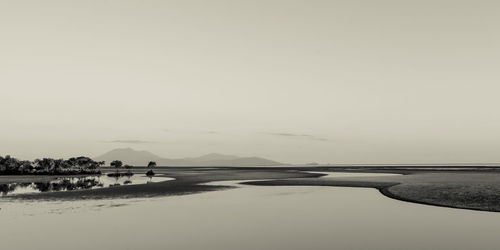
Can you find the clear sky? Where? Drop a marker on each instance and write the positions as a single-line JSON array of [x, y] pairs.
[[294, 81]]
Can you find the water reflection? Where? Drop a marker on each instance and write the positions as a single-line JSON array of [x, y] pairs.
[[247, 218], [75, 183]]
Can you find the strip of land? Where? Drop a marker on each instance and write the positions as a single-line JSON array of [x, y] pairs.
[[476, 188], [471, 188], [187, 181]]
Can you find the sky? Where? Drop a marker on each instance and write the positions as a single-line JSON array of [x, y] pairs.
[[344, 82]]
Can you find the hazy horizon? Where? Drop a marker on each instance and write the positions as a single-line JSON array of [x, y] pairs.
[[345, 82]]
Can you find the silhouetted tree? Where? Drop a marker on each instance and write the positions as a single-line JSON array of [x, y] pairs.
[[2, 166], [25, 167], [58, 165], [151, 164], [150, 172], [44, 165], [117, 164]]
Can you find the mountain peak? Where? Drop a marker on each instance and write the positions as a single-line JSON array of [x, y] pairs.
[[128, 156], [215, 156], [123, 150]]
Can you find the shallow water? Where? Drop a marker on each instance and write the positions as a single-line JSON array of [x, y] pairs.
[[250, 217], [351, 174], [75, 183]]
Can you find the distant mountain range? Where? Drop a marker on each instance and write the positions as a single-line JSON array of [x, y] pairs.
[[141, 158]]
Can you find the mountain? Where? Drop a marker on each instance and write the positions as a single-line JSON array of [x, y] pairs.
[[128, 155], [214, 157], [141, 158]]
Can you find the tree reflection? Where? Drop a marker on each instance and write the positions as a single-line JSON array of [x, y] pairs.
[[70, 183], [65, 184], [6, 188]]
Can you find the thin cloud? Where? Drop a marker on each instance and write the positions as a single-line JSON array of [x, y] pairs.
[[188, 131], [129, 141], [303, 136]]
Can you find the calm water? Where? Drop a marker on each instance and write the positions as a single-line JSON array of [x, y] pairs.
[[251, 217], [75, 183], [348, 174]]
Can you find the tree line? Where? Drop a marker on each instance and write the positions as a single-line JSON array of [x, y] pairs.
[[118, 164], [49, 166]]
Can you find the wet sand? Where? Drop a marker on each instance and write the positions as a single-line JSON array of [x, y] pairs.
[[476, 188], [187, 181]]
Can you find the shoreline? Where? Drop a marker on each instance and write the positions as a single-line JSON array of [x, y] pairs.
[[185, 182], [388, 194], [477, 189], [471, 190]]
